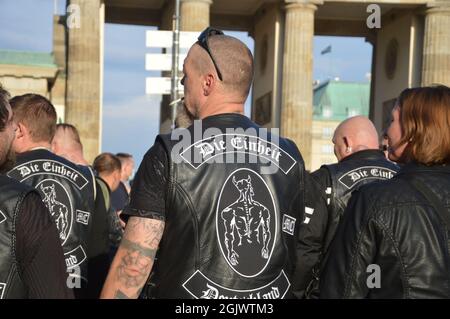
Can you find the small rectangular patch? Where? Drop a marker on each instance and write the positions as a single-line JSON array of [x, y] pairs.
[[288, 224], [83, 217], [308, 211]]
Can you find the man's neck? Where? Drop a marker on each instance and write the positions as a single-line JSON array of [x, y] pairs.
[[75, 158], [108, 180], [38, 145], [221, 108]]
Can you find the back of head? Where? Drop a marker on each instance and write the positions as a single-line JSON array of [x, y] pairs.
[[127, 165], [235, 62], [425, 123], [106, 164], [124, 157], [233, 59], [67, 143], [353, 135], [66, 133], [37, 114], [4, 105]]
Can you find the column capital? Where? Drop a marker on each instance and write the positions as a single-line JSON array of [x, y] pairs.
[[438, 6], [302, 4], [201, 1]]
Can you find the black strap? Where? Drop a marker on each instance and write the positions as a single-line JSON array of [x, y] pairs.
[[433, 199]]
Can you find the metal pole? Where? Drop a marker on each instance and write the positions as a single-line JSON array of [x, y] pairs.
[[175, 59]]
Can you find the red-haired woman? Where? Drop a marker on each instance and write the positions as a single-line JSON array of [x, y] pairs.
[[394, 239]]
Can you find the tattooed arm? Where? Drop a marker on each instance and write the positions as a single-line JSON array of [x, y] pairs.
[[134, 259]]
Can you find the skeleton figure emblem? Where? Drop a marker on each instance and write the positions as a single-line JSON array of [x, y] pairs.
[[58, 210], [246, 222]]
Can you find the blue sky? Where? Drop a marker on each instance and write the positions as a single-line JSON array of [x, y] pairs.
[[130, 118]]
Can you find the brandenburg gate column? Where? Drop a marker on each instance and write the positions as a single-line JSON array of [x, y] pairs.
[[84, 73], [436, 49], [297, 90], [195, 14]]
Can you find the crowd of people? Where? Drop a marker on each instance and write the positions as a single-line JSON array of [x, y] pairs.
[[198, 223]]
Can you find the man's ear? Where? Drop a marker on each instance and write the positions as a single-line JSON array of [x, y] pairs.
[[208, 84], [348, 144], [22, 131]]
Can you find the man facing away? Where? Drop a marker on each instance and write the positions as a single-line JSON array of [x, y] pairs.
[[66, 143], [67, 189], [360, 162], [202, 223], [30, 251]]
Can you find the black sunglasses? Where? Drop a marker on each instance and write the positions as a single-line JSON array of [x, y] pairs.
[[203, 42]]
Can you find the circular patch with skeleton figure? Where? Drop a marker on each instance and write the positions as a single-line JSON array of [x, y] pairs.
[[59, 204], [246, 222]]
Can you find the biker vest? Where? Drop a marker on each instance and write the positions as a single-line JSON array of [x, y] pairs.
[[12, 194], [355, 171], [233, 208], [67, 190]]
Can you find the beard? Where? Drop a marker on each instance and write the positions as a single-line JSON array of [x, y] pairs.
[[8, 162], [184, 118]]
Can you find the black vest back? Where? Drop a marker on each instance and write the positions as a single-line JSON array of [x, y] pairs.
[[67, 190], [12, 194], [233, 208], [349, 175]]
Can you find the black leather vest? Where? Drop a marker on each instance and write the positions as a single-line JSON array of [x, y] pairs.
[[67, 190], [12, 194], [349, 175], [233, 208]]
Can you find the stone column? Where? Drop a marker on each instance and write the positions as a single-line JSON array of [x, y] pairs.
[[436, 49], [194, 14], [297, 91], [58, 91], [84, 74]]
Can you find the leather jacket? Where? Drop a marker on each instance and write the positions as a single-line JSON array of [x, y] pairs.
[[392, 243], [337, 182]]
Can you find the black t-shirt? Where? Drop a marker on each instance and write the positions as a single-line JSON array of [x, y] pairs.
[[39, 252], [119, 198], [148, 193]]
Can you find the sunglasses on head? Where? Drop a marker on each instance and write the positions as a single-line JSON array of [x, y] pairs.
[[203, 42]]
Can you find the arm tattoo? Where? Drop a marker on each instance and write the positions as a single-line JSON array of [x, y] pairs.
[[139, 247], [153, 229], [135, 265]]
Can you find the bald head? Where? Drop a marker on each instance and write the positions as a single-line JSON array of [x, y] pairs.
[[353, 135]]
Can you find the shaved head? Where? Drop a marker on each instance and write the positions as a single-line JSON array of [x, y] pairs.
[[234, 60], [353, 135], [205, 93], [66, 143]]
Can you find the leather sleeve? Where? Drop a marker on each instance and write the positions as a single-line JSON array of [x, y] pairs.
[[346, 271], [311, 236]]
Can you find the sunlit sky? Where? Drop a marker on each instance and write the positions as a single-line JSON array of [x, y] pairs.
[[130, 120]]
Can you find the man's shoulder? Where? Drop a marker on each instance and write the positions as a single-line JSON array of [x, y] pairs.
[[42, 155], [9, 184], [381, 193]]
